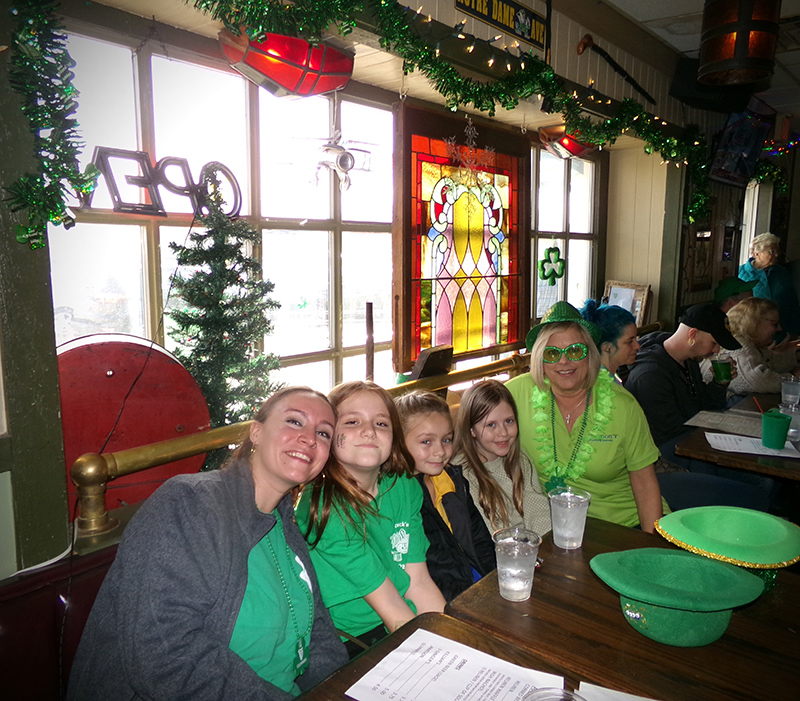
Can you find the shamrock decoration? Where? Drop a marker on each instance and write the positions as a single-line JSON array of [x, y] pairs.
[[552, 266]]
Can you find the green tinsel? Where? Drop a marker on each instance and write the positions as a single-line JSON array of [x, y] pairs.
[[767, 171], [42, 74], [395, 24]]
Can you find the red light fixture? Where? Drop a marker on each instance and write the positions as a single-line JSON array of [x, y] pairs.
[[287, 65], [556, 140]]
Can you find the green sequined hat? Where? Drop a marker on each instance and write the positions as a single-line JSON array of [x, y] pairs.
[[562, 312], [675, 597]]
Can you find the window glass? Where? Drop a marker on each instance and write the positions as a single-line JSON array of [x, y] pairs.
[[366, 277], [106, 104], [317, 375], [298, 264], [546, 294], [551, 192], [579, 272], [200, 115], [169, 266], [355, 368], [293, 132], [367, 133], [97, 271], [580, 196]]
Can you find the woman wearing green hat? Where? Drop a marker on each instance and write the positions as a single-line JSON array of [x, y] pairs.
[[583, 429]]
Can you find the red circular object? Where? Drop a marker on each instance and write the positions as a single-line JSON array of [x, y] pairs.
[[96, 375]]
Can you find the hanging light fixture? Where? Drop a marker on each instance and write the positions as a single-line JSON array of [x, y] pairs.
[[287, 65], [738, 41], [556, 140]]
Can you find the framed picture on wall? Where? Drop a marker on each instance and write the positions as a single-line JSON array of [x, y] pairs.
[[629, 295]]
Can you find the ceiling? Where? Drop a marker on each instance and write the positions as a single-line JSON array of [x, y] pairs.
[[679, 23], [675, 22]]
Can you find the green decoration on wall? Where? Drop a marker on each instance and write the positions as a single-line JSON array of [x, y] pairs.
[[552, 267], [223, 317], [767, 171], [42, 74]]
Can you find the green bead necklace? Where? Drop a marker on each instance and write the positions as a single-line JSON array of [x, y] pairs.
[[304, 640], [559, 481]]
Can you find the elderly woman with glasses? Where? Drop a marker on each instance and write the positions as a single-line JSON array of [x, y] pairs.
[[583, 429]]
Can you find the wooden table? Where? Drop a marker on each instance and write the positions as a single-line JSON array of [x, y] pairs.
[[574, 621], [696, 446], [333, 688]]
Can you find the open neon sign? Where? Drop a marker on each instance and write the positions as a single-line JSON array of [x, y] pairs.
[[152, 177]]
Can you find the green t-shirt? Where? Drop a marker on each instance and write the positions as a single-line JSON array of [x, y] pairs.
[[349, 565], [264, 635], [624, 446]]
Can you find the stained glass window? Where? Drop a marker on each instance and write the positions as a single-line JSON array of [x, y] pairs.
[[465, 281]]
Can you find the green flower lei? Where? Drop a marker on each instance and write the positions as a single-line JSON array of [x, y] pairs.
[[558, 472]]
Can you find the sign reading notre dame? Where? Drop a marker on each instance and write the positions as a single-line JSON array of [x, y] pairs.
[[508, 16]]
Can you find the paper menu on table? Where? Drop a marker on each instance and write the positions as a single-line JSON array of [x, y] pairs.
[[590, 692], [743, 424], [427, 666], [743, 444]]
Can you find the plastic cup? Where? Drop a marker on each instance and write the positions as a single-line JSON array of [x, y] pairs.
[[722, 369], [790, 390], [516, 550], [568, 508], [552, 694], [774, 429]]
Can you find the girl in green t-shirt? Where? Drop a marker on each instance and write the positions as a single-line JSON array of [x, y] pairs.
[[361, 517]]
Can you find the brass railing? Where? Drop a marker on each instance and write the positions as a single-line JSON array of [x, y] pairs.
[[92, 472]]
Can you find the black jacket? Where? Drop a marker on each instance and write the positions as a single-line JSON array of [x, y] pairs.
[[668, 393], [451, 555]]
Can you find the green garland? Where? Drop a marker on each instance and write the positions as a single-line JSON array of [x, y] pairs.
[[531, 76], [767, 171], [42, 74]]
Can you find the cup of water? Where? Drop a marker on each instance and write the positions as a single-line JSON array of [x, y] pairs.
[[568, 508], [552, 694], [790, 389], [516, 549]]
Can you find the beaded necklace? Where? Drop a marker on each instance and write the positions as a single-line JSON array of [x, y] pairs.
[[558, 472], [304, 640]]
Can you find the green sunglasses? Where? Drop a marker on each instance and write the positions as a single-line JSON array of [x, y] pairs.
[[577, 351]]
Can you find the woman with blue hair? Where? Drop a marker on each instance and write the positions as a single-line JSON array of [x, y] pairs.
[[619, 341]]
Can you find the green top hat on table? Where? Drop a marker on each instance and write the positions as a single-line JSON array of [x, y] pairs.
[[673, 596]]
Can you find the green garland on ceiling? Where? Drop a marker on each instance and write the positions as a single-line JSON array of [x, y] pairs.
[[41, 73]]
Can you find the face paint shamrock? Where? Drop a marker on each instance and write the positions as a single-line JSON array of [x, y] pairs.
[[552, 266]]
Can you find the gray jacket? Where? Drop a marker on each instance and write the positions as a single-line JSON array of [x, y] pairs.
[[162, 621]]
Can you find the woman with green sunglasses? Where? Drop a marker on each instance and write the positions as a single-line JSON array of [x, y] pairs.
[[581, 428]]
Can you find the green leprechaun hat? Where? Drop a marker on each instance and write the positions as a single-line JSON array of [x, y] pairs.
[[675, 597], [562, 312]]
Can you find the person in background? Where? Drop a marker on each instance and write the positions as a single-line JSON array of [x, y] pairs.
[[754, 323], [667, 381], [212, 594], [731, 291], [619, 340], [461, 549], [502, 476], [361, 517], [581, 427], [772, 281]]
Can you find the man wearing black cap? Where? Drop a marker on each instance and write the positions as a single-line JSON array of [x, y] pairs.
[[667, 382]]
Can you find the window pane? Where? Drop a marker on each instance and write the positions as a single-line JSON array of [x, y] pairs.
[[551, 192], [355, 368], [580, 196], [366, 277], [293, 133], [579, 272], [169, 266], [200, 115], [370, 195], [97, 272], [106, 108], [546, 294], [318, 375], [298, 264]]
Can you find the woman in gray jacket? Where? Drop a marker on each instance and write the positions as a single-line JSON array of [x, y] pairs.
[[212, 594]]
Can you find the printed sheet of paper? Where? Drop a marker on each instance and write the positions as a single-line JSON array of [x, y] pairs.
[[745, 424], [428, 666], [744, 444], [597, 693]]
